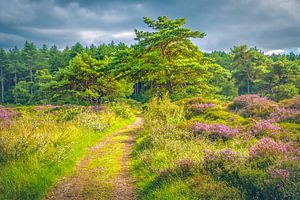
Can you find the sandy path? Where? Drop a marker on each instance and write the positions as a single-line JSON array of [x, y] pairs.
[[104, 172]]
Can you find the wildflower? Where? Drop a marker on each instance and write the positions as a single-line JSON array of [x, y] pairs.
[[218, 130], [202, 106], [253, 105], [267, 147], [282, 114], [264, 126], [279, 173]]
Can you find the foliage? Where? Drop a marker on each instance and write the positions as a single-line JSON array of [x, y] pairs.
[[215, 130], [255, 159], [164, 110], [253, 105]]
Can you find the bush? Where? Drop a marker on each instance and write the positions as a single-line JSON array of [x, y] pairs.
[[293, 103], [121, 109], [164, 110], [215, 130], [6, 116], [207, 188], [222, 164], [285, 114], [263, 127], [267, 147], [253, 105]]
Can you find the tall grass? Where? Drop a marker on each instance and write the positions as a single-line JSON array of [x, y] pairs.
[[175, 159], [44, 143]]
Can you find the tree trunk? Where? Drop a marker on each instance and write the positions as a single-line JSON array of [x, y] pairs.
[[15, 78], [248, 86], [31, 80]]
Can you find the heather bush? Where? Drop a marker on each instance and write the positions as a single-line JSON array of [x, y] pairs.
[[285, 114], [252, 152], [214, 130], [200, 108], [208, 188], [263, 127], [253, 105], [222, 164], [6, 116], [293, 103], [267, 147]]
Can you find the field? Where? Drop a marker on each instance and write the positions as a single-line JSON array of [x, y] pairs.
[[202, 149], [40, 144]]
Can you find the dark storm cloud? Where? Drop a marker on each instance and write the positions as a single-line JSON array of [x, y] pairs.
[[267, 24]]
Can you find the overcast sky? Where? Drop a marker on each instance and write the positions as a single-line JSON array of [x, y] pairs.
[[271, 25]]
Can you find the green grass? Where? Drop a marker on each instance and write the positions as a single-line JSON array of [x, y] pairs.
[[30, 175], [169, 160]]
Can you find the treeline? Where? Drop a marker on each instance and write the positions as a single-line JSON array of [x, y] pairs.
[[164, 60]]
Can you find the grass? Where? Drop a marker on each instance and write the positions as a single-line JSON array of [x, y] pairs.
[[169, 160], [43, 146]]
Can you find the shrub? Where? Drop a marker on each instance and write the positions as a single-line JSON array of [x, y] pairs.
[[264, 127], [252, 105], [267, 147], [6, 115], [96, 121], [199, 108], [121, 109], [285, 114], [207, 188], [215, 130], [196, 100], [223, 164], [293, 103], [164, 110]]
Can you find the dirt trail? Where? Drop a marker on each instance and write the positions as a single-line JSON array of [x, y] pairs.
[[104, 172]]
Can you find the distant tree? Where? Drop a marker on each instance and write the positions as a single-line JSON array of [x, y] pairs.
[[56, 59], [85, 78], [249, 67], [29, 55], [21, 92], [3, 68], [75, 50], [15, 63]]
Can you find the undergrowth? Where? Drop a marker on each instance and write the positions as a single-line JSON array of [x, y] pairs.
[[201, 149], [38, 145]]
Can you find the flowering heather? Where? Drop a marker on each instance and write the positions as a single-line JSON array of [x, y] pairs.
[[5, 115], [293, 103], [282, 114], [279, 173], [267, 147], [221, 159], [45, 107], [202, 107], [252, 105], [264, 126], [218, 130]]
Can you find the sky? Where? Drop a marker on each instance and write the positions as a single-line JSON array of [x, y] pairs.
[[271, 25]]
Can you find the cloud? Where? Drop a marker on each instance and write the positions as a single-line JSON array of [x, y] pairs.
[[270, 24]]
